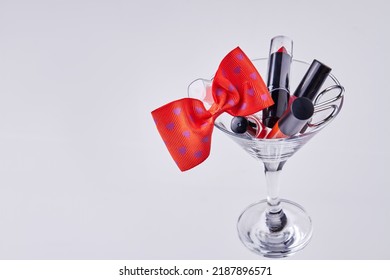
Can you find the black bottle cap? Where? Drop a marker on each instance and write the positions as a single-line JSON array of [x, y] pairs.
[[239, 125], [313, 80], [302, 109]]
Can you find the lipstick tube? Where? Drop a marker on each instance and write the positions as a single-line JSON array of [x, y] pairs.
[[293, 120], [279, 62], [313, 80], [311, 83]]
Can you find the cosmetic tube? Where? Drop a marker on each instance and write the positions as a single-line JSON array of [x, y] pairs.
[[294, 119], [313, 80], [279, 62]]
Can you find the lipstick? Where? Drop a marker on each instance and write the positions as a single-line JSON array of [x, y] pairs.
[[280, 57], [294, 119], [313, 80]]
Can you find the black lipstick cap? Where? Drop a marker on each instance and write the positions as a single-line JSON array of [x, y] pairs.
[[313, 80]]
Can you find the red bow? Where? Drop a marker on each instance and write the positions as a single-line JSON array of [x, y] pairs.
[[186, 126]]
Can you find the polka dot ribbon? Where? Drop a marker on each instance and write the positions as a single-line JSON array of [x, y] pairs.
[[186, 126]]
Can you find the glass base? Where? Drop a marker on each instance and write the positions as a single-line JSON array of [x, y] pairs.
[[257, 236]]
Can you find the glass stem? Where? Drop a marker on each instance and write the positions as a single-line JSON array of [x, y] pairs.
[[275, 217]]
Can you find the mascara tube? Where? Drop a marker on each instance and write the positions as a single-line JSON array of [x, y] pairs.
[[279, 62], [294, 119]]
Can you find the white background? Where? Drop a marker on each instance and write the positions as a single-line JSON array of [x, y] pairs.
[[85, 175]]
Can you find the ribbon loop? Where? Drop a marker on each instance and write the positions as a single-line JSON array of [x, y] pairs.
[[186, 126]]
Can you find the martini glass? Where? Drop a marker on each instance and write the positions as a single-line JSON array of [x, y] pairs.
[[275, 227]]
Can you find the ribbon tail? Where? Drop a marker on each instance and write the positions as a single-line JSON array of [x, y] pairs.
[[185, 127]]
